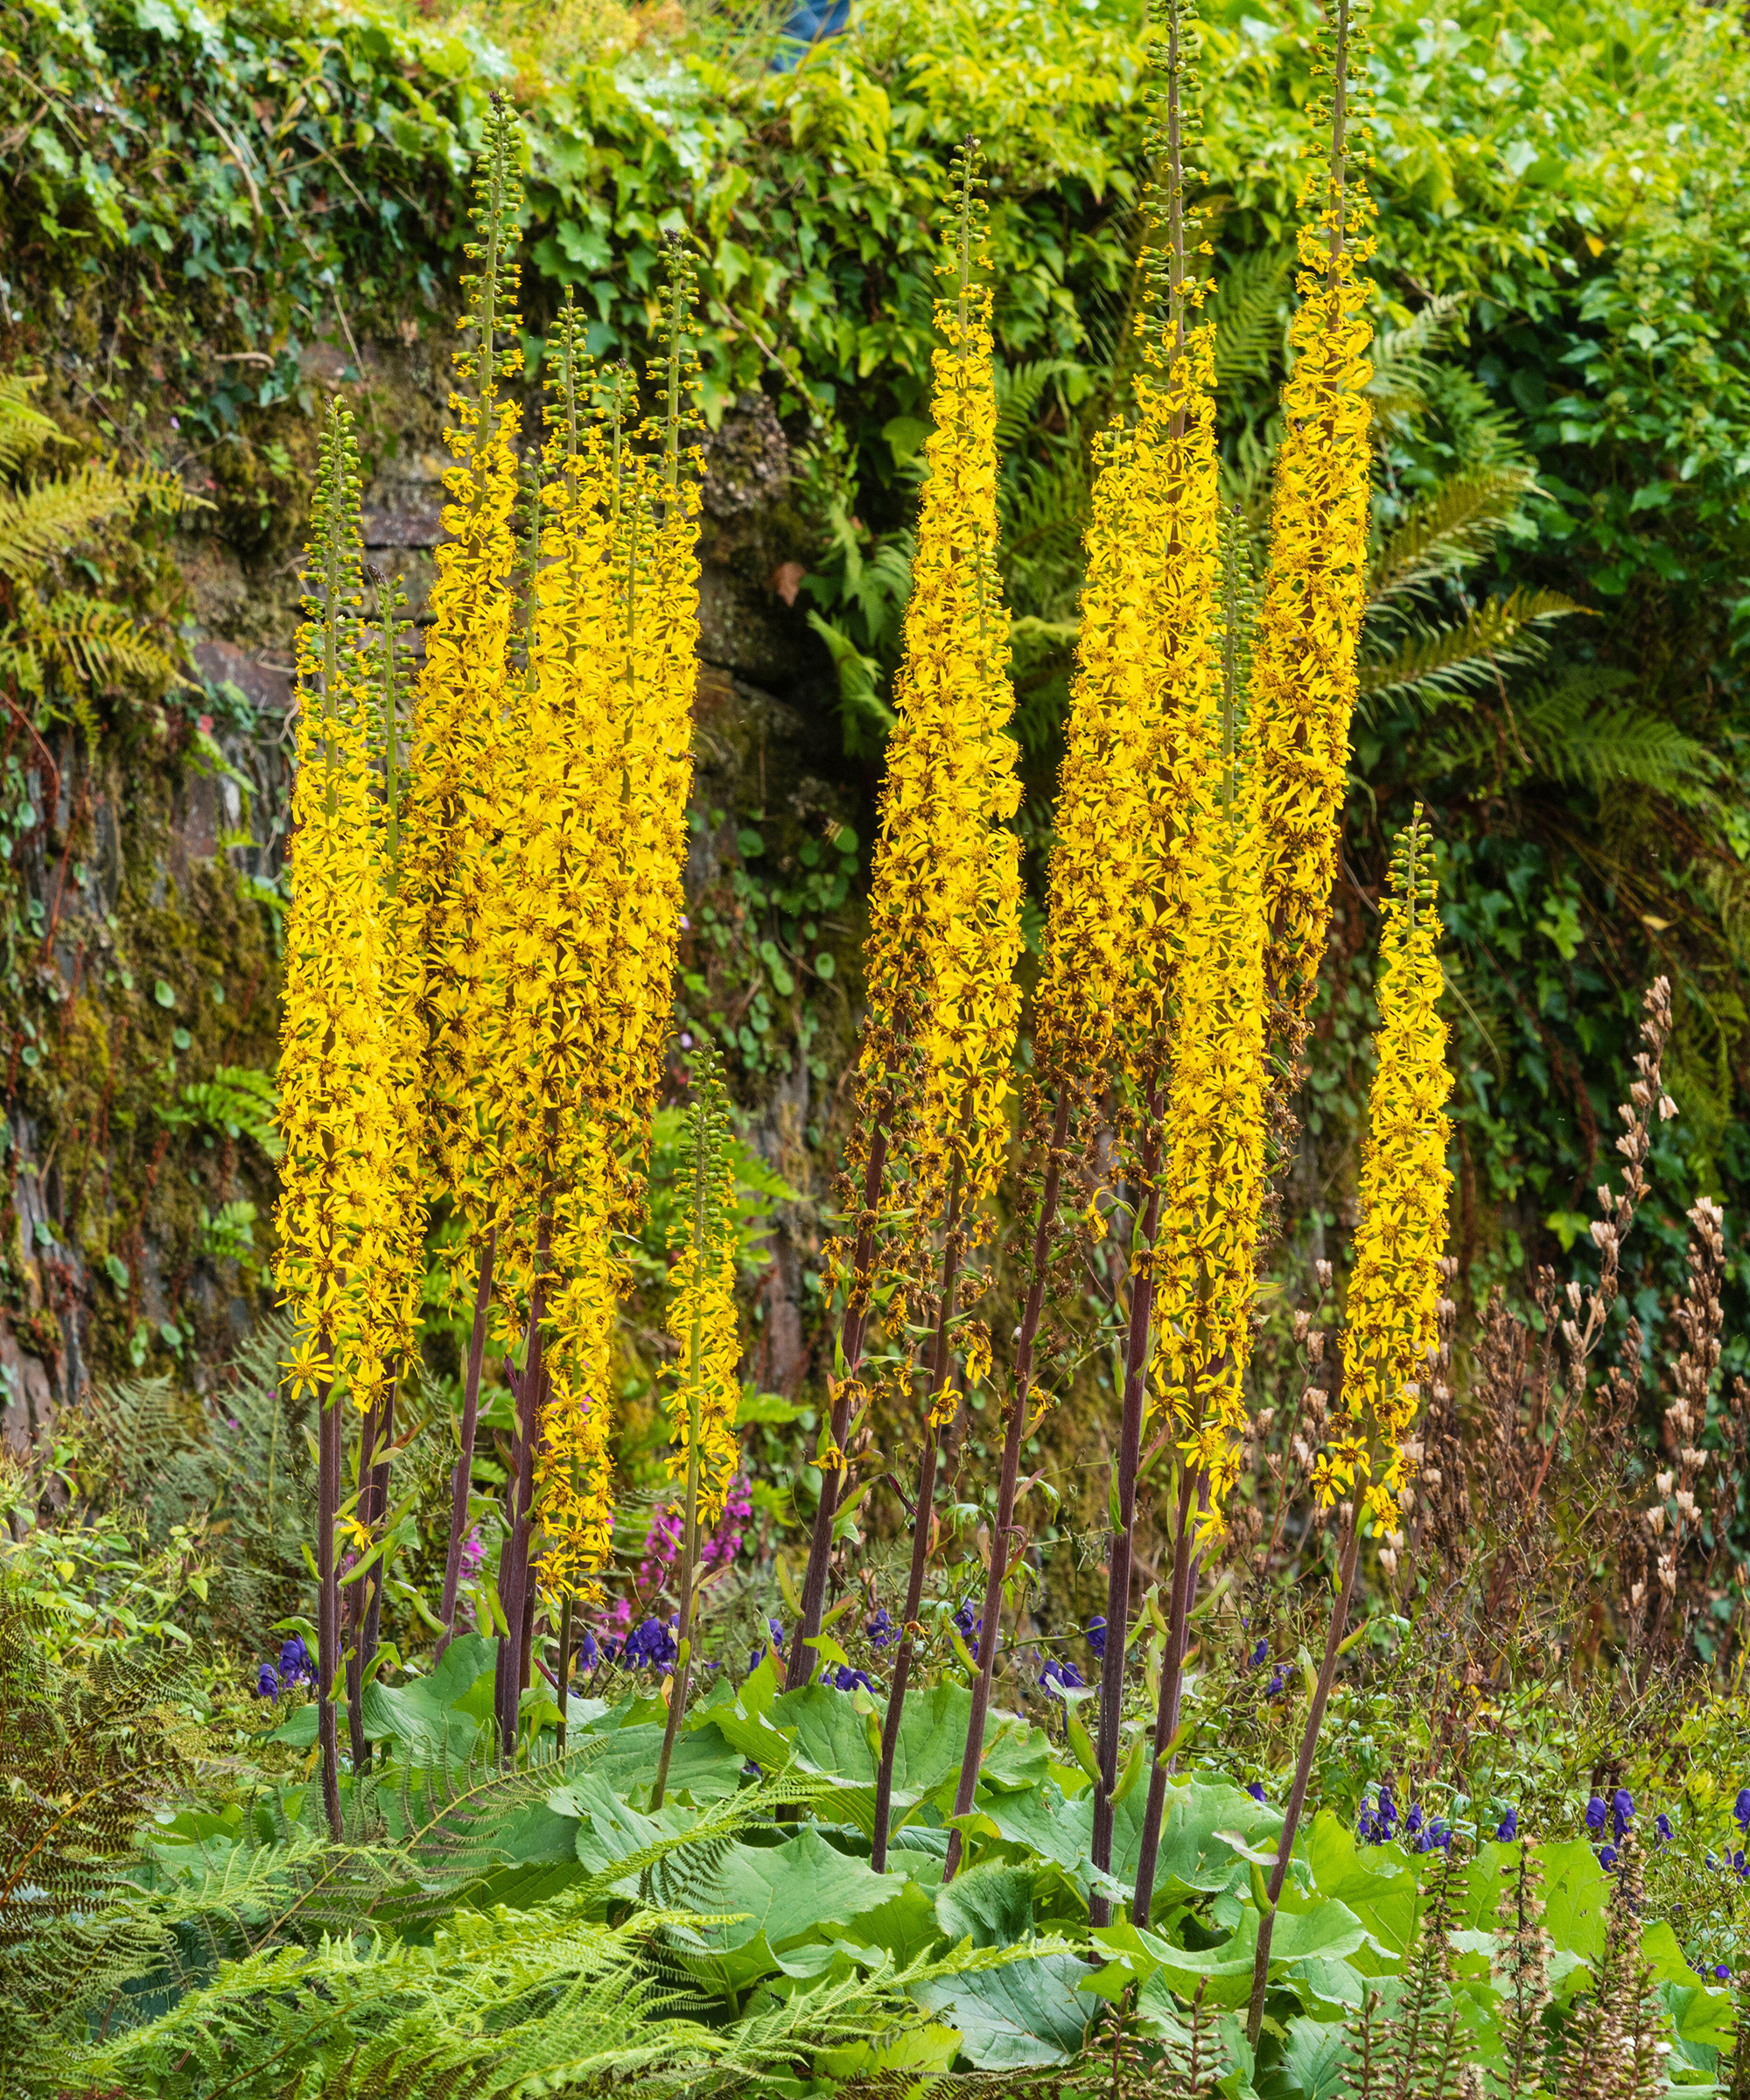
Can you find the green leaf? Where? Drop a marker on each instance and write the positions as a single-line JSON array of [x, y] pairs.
[[928, 2051], [163, 994], [1576, 1897], [1026, 2013], [990, 1904], [441, 1714]]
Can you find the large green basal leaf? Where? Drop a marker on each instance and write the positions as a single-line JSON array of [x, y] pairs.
[[441, 1714], [779, 1896], [1194, 1857], [1311, 2065], [921, 2050], [1026, 2013], [1576, 1897], [990, 1904], [829, 1735], [703, 1766]]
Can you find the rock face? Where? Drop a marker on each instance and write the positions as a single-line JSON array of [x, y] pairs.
[[768, 754]]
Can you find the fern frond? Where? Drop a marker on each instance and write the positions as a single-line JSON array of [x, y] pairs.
[[1019, 390], [1403, 372], [92, 638], [1435, 662], [1248, 310], [23, 429], [1448, 528], [46, 518], [1583, 733]]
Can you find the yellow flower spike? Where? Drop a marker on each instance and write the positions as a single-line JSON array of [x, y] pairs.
[[1304, 679], [449, 868], [1391, 1313], [945, 900], [337, 1068]]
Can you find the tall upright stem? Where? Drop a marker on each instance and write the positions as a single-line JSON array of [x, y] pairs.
[[1184, 1563], [690, 1550], [513, 1556], [1303, 1770], [813, 1600], [354, 1614], [564, 1669], [328, 1456], [1125, 1485], [463, 1478], [922, 1521], [1014, 1431]]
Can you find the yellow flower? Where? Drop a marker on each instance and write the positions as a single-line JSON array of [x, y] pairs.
[[1303, 677], [1205, 1261], [945, 904], [1391, 1314], [336, 1218], [450, 871]]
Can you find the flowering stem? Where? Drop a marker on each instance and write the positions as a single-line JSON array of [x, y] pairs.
[[813, 1600], [1014, 1430], [690, 1535], [1124, 1484], [1185, 1566], [327, 1602], [922, 1520], [512, 1578], [564, 1668], [1303, 1770], [463, 1478]]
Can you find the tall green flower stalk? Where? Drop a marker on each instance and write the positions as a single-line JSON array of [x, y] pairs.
[[705, 1391]]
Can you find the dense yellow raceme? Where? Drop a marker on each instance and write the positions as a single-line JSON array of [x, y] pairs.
[[945, 906], [1391, 1314], [1303, 680], [403, 1251], [336, 1221], [1100, 858], [1206, 1255], [449, 871], [594, 857]]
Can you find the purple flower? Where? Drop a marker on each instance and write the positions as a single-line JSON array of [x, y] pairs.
[[1741, 1813], [1388, 1809], [880, 1630], [1621, 1812], [1097, 1634], [652, 1646], [295, 1665], [966, 1626], [266, 1684], [847, 1679], [1739, 1866], [1258, 1657], [1722, 1974], [1595, 1814], [1255, 1790], [686, 1038], [777, 1627], [589, 1653], [1057, 1677], [1436, 1838], [1662, 1830], [1510, 1828], [473, 1552], [1278, 1683], [1608, 1857]]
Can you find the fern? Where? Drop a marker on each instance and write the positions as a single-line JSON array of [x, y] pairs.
[[1248, 308], [1019, 390], [1447, 530], [1434, 662], [23, 429], [1581, 732]]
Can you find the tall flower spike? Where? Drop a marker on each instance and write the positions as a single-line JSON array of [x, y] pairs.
[[945, 903], [449, 867], [705, 1391], [1304, 678], [1392, 1312], [337, 1093], [945, 898]]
